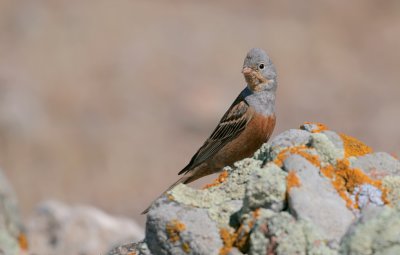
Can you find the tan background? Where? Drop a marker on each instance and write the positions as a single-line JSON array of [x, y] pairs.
[[103, 102]]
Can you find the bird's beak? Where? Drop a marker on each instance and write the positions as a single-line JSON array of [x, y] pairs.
[[247, 70]]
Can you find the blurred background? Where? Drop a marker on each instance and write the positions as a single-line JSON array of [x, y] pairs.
[[103, 102]]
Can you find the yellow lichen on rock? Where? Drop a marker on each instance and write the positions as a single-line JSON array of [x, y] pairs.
[[345, 179], [354, 147], [292, 180], [239, 238], [299, 150], [228, 240], [173, 229], [220, 179], [23, 242], [319, 127]]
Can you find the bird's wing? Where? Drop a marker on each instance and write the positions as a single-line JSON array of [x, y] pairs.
[[230, 126]]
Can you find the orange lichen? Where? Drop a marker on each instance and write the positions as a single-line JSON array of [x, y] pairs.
[[170, 197], [173, 229], [354, 147], [242, 234], [286, 152], [292, 180], [220, 179], [228, 240], [299, 150], [313, 159], [319, 127], [328, 171], [345, 179], [23, 241], [240, 238]]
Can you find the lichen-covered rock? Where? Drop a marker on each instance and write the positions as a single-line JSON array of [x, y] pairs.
[[266, 188], [12, 238], [56, 228], [277, 233], [172, 229], [308, 191], [316, 200], [376, 232]]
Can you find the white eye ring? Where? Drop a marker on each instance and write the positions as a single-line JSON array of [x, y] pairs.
[[261, 66]]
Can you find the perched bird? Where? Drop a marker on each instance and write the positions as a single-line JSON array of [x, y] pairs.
[[246, 125]]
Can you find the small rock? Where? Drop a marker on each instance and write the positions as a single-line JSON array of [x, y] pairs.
[[172, 228], [56, 228]]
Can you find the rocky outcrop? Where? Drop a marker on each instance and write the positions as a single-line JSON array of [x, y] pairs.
[[308, 191], [56, 228]]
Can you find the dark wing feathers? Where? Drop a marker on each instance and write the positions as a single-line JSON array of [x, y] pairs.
[[230, 126]]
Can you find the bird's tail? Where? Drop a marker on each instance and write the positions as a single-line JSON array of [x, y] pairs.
[[184, 179]]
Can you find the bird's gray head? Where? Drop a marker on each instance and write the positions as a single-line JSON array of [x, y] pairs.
[[258, 71]]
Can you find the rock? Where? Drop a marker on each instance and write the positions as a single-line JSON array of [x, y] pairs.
[[374, 233], [315, 200], [308, 191], [277, 233], [12, 238], [56, 228], [378, 165], [171, 229]]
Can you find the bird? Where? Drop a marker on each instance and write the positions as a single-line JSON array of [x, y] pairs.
[[246, 125]]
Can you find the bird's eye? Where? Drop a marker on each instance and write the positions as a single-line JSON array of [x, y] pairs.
[[261, 66]]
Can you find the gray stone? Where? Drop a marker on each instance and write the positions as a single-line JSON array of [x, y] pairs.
[[172, 228], [315, 200], [377, 165], [56, 228], [334, 138]]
